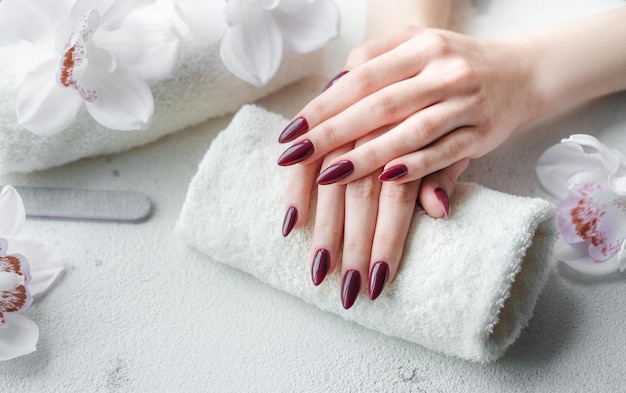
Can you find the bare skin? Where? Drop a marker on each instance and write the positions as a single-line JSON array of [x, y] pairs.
[[416, 104]]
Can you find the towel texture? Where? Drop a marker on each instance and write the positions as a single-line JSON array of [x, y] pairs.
[[466, 286], [199, 88]]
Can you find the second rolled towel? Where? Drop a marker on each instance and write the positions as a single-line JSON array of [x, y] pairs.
[[466, 285]]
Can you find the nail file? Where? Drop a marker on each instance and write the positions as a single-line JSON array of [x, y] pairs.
[[85, 205]]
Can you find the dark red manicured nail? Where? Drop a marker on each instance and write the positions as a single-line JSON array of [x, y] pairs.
[[393, 173], [335, 79], [296, 153], [290, 220], [335, 172], [378, 278], [320, 266], [350, 287], [297, 127], [443, 199]]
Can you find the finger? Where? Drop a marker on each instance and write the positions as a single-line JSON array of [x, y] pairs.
[[297, 196], [455, 146], [413, 134], [360, 222], [328, 230], [362, 79], [395, 211], [438, 187]]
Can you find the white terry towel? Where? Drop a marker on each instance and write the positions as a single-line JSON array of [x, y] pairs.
[[199, 88], [466, 286]]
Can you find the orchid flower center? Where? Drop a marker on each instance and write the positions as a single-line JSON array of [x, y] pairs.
[[76, 56], [10, 280]]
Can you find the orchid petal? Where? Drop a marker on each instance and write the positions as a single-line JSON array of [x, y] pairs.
[[19, 337], [578, 215], [234, 13], [146, 47], [306, 27], [203, 19], [42, 106], [7, 38], [116, 13], [576, 257], [252, 50], [559, 163], [613, 161], [28, 20], [610, 233], [14, 288], [269, 4], [122, 101], [12, 214], [44, 262]]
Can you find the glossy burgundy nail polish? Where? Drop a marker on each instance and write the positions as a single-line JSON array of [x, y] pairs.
[[290, 220], [320, 266], [393, 173], [335, 79], [443, 199], [335, 172], [378, 278], [350, 287], [293, 130], [296, 153]]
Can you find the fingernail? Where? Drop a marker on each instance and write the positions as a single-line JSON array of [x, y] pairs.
[[296, 153], [297, 127], [393, 173], [443, 199], [290, 220], [350, 288], [320, 266], [335, 172], [335, 79], [378, 278]]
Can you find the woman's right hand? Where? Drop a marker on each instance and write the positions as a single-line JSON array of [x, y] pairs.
[[449, 96]]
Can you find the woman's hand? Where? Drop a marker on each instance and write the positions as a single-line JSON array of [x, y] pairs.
[[450, 97], [370, 218]]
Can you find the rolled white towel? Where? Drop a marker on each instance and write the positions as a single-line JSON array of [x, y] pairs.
[[200, 87], [466, 285]]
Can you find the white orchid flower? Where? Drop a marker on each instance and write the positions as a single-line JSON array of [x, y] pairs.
[[100, 53], [590, 180], [27, 267], [253, 32]]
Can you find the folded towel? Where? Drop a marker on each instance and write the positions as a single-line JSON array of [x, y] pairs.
[[199, 88], [466, 286]]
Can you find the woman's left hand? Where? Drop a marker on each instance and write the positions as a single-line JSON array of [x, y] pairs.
[[371, 218]]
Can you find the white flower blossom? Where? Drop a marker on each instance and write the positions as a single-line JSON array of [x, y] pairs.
[[98, 53], [27, 267], [590, 181], [253, 32]]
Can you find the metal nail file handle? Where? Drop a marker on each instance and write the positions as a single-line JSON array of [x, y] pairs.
[[85, 205]]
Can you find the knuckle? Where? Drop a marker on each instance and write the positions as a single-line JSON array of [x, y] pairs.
[[361, 53], [436, 42], [364, 78], [398, 193], [367, 188], [385, 106], [460, 74], [422, 133], [389, 242], [328, 228], [353, 247], [455, 148], [319, 108], [330, 134]]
